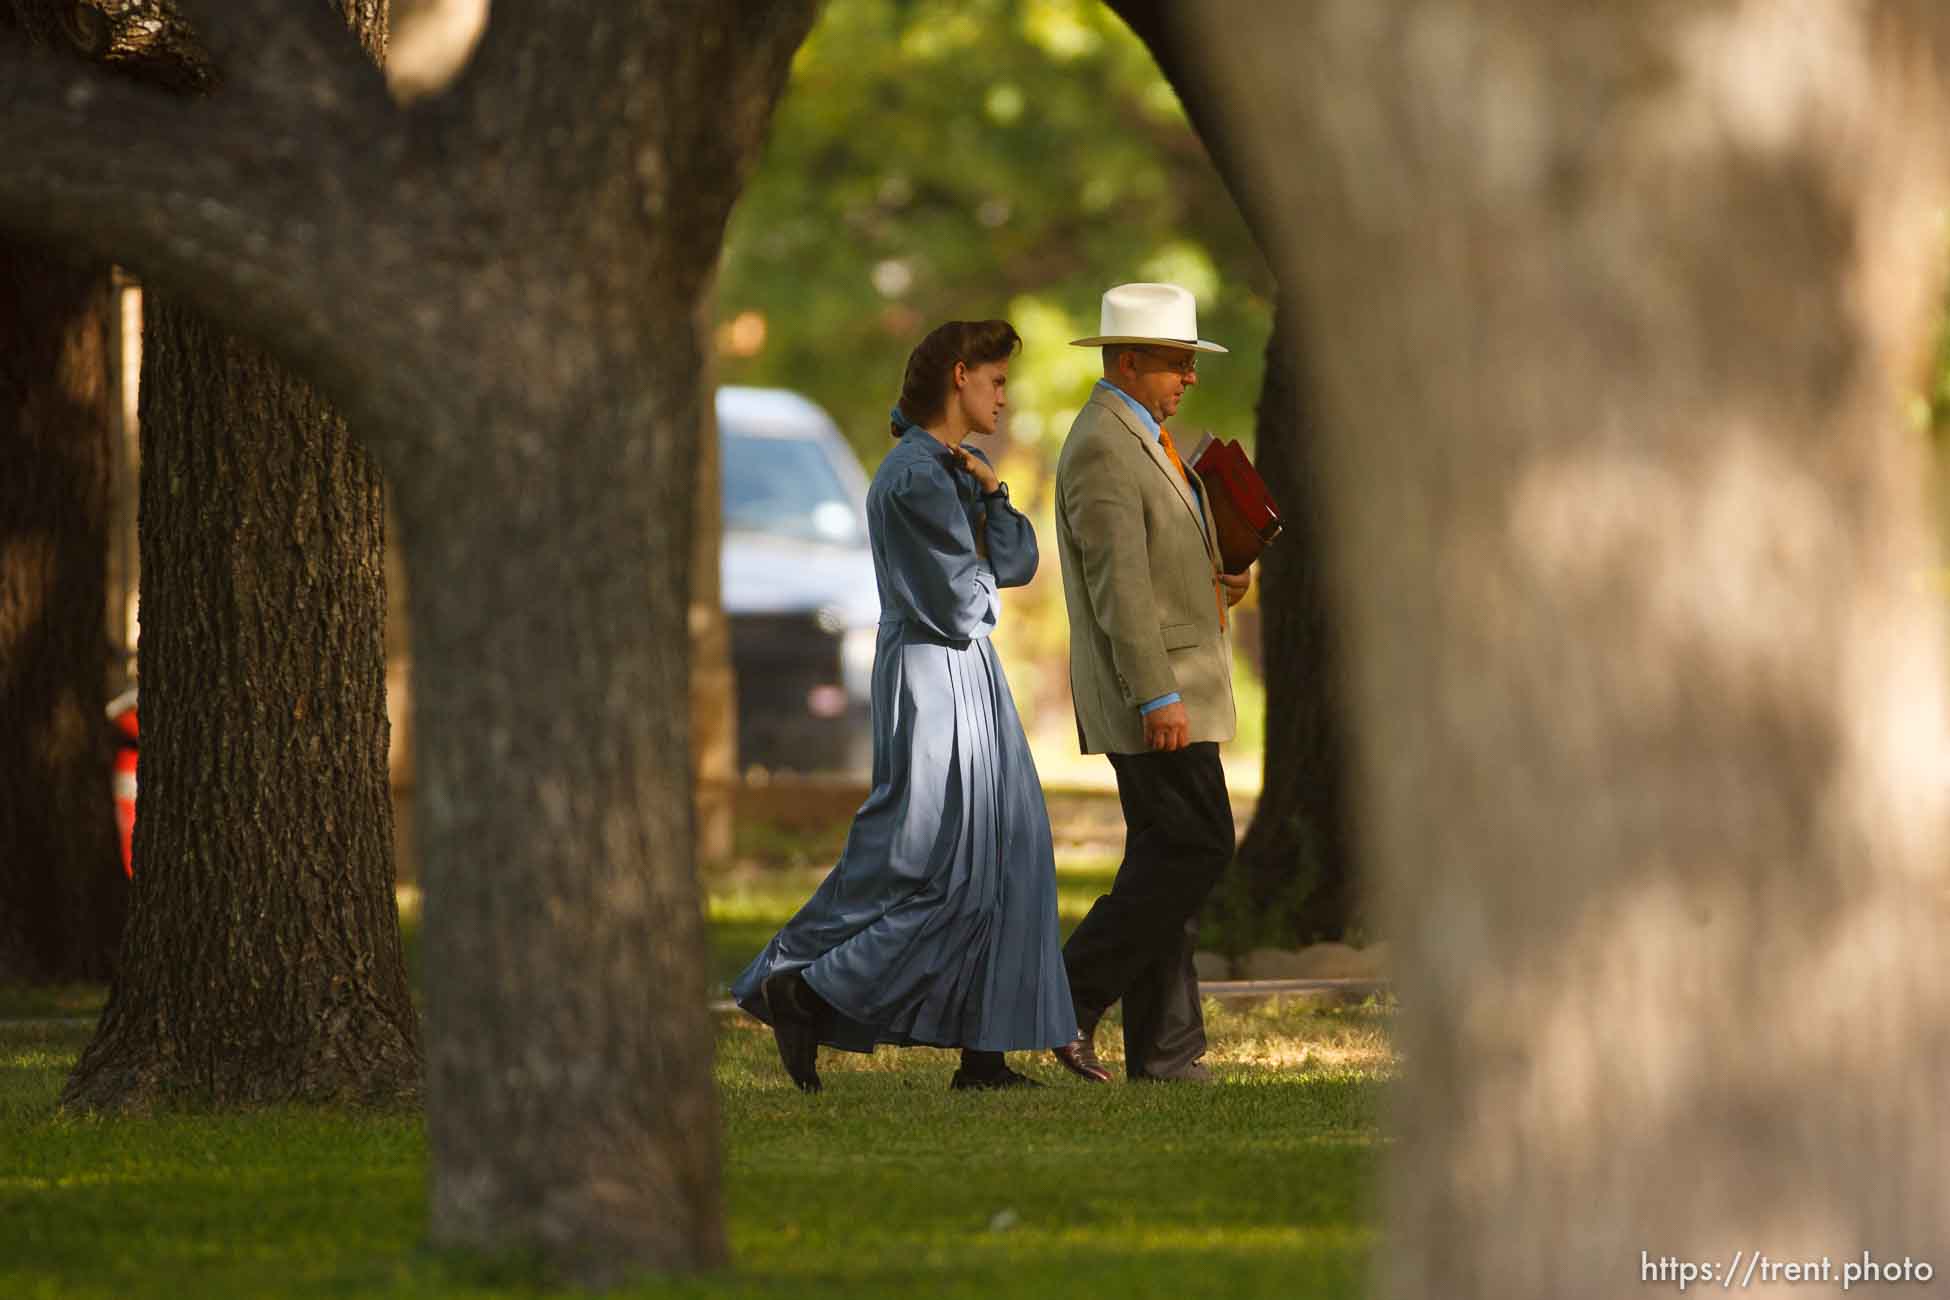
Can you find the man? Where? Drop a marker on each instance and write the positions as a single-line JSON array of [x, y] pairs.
[[1151, 676]]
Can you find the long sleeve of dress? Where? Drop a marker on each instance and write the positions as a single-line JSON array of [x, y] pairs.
[[936, 577], [1011, 539]]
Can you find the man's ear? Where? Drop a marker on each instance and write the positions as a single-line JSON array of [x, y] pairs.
[[961, 375]]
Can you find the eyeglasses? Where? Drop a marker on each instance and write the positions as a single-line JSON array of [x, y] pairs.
[[1183, 363]]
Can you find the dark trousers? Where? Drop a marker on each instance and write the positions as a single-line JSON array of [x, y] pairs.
[[1136, 942]]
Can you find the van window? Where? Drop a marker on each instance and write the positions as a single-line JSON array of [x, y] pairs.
[[786, 487]]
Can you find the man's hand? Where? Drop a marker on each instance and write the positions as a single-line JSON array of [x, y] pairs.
[[1168, 727], [1236, 585]]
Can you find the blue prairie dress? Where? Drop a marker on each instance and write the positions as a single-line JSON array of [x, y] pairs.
[[938, 925]]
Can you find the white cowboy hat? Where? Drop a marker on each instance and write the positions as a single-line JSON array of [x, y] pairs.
[[1163, 315]]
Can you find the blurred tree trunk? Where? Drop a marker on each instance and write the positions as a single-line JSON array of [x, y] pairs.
[[1611, 311], [1295, 878], [1296, 868], [63, 894], [263, 958], [714, 694], [498, 287]]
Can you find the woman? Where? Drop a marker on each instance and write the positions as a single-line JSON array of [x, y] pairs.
[[938, 925]]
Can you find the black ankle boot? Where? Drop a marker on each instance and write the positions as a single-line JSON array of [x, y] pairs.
[[798, 1014], [987, 1070]]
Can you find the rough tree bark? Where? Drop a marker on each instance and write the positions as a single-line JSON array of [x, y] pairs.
[[263, 958], [496, 284], [148, 38], [1611, 310], [63, 895], [1296, 874]]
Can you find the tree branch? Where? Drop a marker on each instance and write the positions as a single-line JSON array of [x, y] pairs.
[[1159, 26], [280, 213], [296, 54], [199, 194]]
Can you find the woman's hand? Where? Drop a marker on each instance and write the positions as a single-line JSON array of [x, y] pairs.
[[983, 472]]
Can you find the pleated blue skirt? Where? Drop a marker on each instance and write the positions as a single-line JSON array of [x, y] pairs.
[[938, 925]]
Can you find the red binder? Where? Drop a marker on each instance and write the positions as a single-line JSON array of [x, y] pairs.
[[1242, 508]]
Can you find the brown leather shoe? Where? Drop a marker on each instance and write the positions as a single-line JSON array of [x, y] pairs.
[[1079, 1057]]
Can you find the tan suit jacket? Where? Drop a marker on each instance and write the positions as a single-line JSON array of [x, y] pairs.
[[1138, 575]]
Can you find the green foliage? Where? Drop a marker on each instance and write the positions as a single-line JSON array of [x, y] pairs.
[[886, 1185], [942, 159]]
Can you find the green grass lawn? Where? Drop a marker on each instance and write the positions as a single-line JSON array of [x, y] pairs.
[[886, 1184]]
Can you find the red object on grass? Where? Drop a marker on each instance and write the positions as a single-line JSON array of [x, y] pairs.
[[121, 716]]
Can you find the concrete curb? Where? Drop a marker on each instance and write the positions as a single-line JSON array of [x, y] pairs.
[[1341, 990]]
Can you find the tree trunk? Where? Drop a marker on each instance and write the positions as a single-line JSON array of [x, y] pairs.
[[548, 516], [1295, 871], [63, 894], [582, 1043], [263, 960], [500, 288], [714, 691], [1611, 309], [1296, 877]]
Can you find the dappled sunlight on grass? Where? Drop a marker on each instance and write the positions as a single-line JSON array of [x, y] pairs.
[[886, 1184], [1375, 1060], [1280, 1039], [1284, 1035], [1258, 1184]]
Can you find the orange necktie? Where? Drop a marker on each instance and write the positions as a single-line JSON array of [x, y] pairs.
[[1171, 451]]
